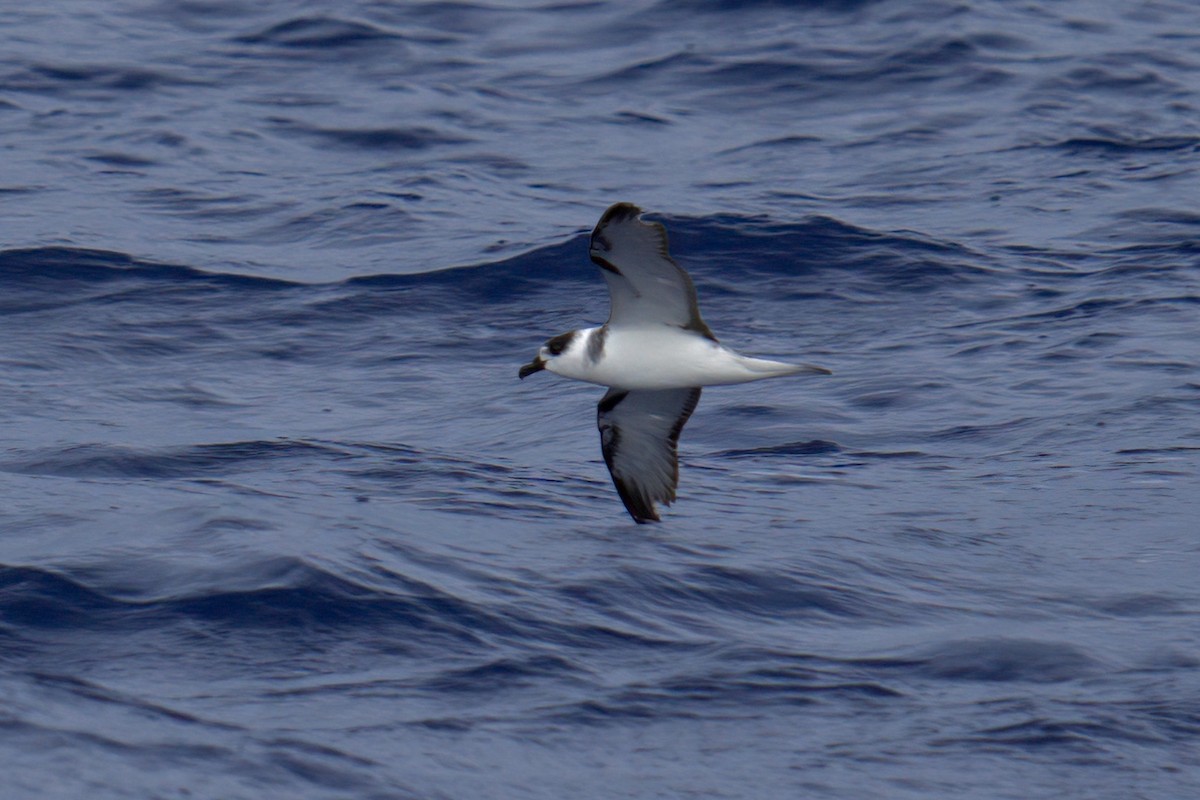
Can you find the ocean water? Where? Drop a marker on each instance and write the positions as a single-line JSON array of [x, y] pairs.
[[278, 520]]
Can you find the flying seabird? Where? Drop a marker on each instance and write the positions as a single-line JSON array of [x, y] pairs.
[[654, 354]]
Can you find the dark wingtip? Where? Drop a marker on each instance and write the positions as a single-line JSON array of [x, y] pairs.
[[598, 245], [640, 507], [618, 211]]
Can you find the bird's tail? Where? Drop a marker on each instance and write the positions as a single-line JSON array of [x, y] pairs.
[[775, 369]]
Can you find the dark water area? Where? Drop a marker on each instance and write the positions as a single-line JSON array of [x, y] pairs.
[[278, 519]]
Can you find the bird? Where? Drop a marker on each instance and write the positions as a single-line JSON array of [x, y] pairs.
[[654, 354]]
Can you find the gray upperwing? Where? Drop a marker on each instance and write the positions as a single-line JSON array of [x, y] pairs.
[[644, 282], [639, 435]]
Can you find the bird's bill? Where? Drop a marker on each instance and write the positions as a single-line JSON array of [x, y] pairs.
[[537, 365]]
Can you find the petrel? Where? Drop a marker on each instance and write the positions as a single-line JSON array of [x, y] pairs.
[[654, 354]]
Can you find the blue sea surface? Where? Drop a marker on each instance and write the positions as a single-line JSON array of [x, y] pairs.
[[277, 519]]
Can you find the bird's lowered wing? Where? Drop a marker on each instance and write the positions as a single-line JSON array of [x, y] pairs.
[[639, 432], [645, 283]]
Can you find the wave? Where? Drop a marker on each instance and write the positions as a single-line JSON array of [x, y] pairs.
[[631, 609], [422, 474], [736, 258], [279, 593], [42, 266], [741, 245]]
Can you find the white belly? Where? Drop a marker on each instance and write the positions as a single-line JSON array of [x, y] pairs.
[[662, 357]]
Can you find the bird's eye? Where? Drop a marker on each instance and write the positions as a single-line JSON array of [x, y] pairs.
[[559, 343]]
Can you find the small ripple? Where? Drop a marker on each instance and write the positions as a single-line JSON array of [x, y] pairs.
[[393, 138], [1142, 605], [1116, 144], [203, 460], [775, 143], [114, 159], [1000, 660], [91, 79], [706, 590], [88, 691], [502, 674], [1096, 80], [982, 432], [207, 206], [361, 222], [716, 692], [816, 447], [320, 33]]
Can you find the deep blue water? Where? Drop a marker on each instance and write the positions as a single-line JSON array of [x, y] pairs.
[[278, 520]]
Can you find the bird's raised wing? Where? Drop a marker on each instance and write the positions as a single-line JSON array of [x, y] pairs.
[[645, 283], [639, 432]]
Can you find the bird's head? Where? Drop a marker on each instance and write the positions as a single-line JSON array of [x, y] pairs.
[[548, 352]]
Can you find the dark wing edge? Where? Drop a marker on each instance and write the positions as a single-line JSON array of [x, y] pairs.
[[639, 500], [624, 212]]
